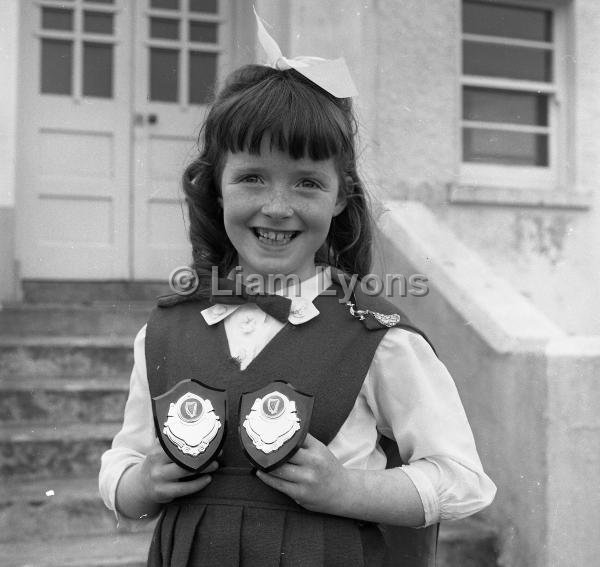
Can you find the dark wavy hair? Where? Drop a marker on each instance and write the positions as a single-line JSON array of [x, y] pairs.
[[299, 118]]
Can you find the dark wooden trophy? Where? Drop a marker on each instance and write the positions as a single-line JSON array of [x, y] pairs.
[[274, 421], [190, 421]]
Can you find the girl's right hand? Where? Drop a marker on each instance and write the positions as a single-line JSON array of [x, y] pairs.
[[160, 477]]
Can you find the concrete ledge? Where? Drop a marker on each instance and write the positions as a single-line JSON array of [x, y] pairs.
[[519, 197], [531, 392], [92, 291], [499, 314]]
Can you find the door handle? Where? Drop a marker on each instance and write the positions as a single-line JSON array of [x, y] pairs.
[[138, 119]]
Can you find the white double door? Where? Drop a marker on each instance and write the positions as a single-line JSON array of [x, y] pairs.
[[111, 98]]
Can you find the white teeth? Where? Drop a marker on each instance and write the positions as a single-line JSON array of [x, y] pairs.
[[271, 235], [279, 237]]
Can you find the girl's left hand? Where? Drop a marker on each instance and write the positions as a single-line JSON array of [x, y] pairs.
[[313, 477]]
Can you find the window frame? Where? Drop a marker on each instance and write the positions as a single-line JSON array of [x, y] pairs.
[[554, 176], [185, 47], [79, 38]]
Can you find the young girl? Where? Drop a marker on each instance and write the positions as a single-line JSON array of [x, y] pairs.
[[275, 190]]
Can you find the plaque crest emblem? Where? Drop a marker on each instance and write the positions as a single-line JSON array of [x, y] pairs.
[[190, 423], [274, 421]]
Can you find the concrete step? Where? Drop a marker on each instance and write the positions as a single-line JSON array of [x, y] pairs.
[[55, 319], [40, 450], [56, 508], [60, 400], [471, 542], [65, 356], [463, 545], [117, 550], [81, 292]]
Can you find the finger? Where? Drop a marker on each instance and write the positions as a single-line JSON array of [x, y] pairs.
[[311, 442], [170, 472], [156, 450], [287, 472], [173, 490], [299, 458], [214, 465], [277, 483]]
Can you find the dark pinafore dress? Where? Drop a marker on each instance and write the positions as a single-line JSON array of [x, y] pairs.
[[237, 519]]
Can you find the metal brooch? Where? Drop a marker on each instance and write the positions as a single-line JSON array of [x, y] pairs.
[[387, 320]]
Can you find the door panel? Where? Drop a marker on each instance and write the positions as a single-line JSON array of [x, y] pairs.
[[73, 201], [179, 54]]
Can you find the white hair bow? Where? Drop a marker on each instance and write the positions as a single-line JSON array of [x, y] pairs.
[[331, 75]]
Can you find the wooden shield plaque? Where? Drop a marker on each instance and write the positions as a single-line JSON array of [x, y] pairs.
[[274, 421], [190, 421]]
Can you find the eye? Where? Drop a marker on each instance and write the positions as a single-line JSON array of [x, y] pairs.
[[250, 178], [310, 184]]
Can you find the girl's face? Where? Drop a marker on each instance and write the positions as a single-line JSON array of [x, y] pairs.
[[277, 210]]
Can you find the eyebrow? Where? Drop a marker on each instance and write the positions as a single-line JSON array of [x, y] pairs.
[[309, 171]]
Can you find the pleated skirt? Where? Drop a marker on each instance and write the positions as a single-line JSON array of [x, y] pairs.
[[239, 521]]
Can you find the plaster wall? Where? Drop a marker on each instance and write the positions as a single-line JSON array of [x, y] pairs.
[[405, 58], [8, 143], [551, 255], [415, 134], [8, 100], [573, 449], [530, 391]]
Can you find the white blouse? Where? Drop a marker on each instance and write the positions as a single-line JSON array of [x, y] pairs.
[[407, 395]]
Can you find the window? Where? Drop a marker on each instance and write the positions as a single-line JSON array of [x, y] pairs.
[[512, 110], [76, 48], [184, 49]]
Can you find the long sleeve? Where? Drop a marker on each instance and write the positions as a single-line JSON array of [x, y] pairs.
[[136, 436], [412, 399], [407, 395]]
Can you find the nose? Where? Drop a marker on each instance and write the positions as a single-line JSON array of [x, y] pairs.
[[277, 205]]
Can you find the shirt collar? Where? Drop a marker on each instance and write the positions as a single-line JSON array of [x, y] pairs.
[[301, 295]]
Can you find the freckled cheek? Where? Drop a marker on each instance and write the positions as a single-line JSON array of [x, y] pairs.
[[238, 207]]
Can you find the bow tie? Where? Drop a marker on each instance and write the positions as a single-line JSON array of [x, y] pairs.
[[186, 283], [275, 305]]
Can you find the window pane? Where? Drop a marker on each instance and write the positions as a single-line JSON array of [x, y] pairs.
[[507, 61], [164, 28], [204, 32], [512, 107], [507, 21], [97, 69], [203, 75], [164, 74], [56, 19], [506, 148], [98, 22], [57, 66], [206, 6], [165, 4]]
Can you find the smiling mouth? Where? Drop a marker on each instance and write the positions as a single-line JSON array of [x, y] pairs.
[[275, 237]]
